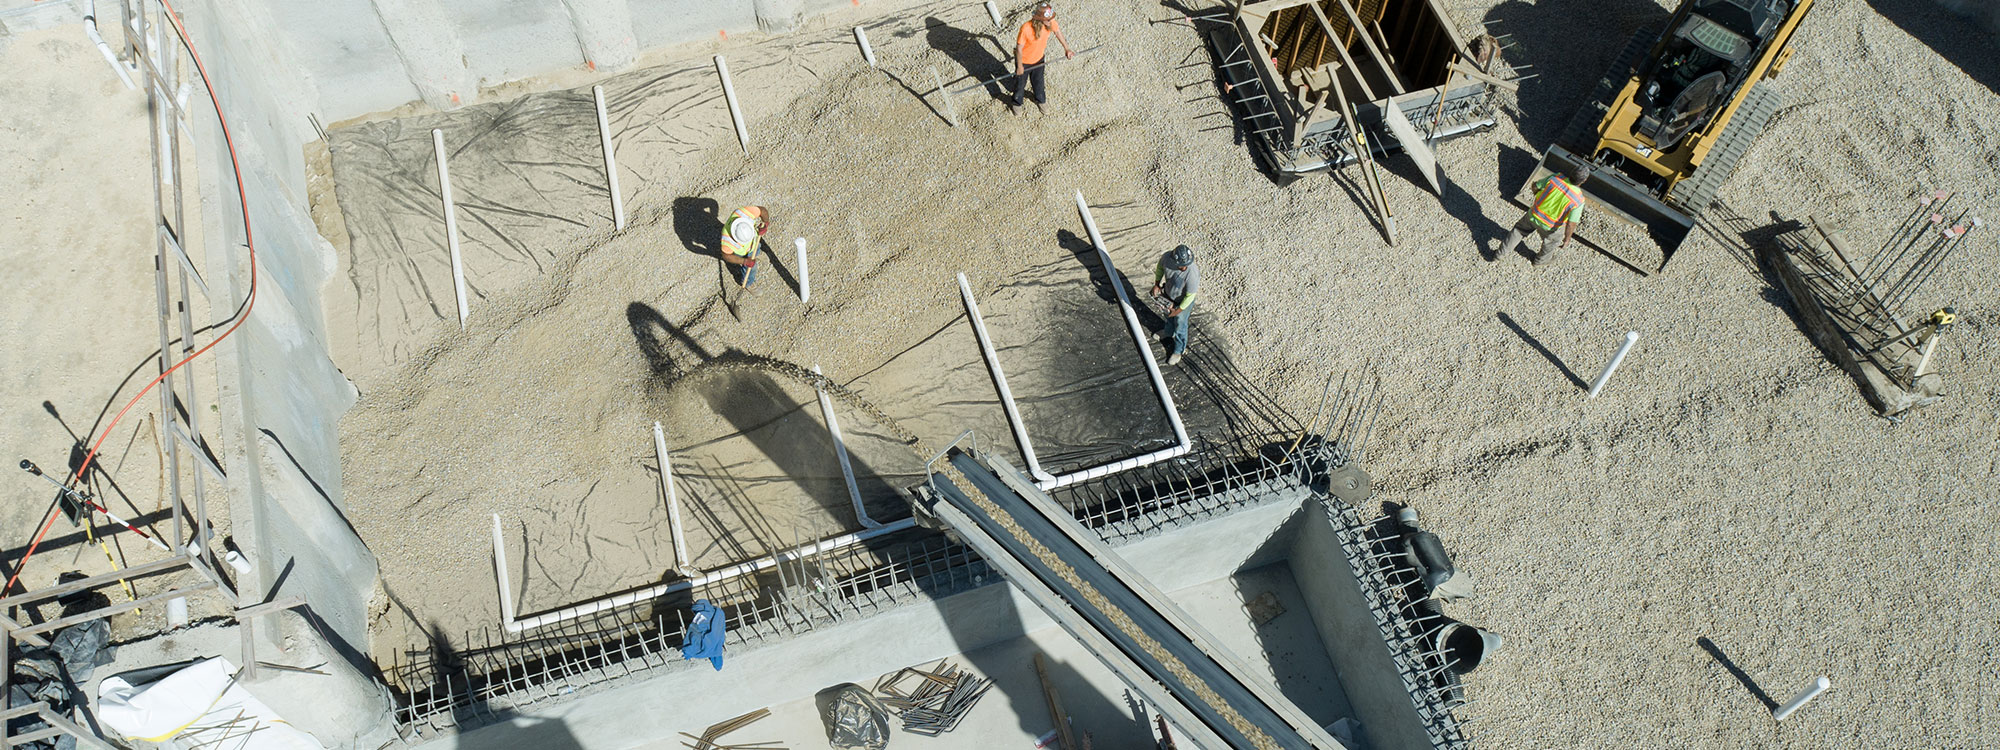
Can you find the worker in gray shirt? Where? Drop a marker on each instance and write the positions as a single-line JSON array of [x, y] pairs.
[[1176, 279]]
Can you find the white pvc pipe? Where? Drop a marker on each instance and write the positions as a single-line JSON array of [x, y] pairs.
[[719, 574], [1000, 381], [90, 30], [1114, 467], [805, 276], [610, 160], [735, 113], [1930, 347], [1631, 337], [1812, 691], [1132, 322], [950, 110], [994, 13], [500, 568], [867, 52], [673, 498], [840, 453], [450, 225]]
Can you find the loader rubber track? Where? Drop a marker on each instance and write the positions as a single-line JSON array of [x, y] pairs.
[[1697, 191], [1580, 136]]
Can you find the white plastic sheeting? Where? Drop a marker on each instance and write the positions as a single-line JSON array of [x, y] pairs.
[[201, 705]]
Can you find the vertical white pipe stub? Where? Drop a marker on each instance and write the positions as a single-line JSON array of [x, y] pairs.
[[867, 52], [450, 225], [950, 111], [805, 274], [840, 453], [500, 569], [735, 112], [610, 160], [673, 499], [994, 13], [1631, 337], [1812, 691]]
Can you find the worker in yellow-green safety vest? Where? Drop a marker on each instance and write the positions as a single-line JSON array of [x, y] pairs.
[[742, 237], [1558, 205]]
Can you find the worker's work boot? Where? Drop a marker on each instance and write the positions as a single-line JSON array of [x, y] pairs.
[[1175, 359], [1039, 109], [1544, 257]]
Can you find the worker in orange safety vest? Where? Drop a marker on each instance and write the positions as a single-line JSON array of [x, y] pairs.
[[1558, 205]]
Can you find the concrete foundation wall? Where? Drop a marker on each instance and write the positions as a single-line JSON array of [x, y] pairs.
[[632, 714], [1367, 671], [366, 56], [281, 396]]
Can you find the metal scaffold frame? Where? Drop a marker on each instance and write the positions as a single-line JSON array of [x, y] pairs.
[[147, 50]]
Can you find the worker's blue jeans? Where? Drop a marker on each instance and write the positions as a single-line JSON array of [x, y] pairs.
[[745, 275], [1177, 332]]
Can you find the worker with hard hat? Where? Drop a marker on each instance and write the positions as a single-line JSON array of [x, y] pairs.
[[1031, 47], [1176, 279], [742, 238], [1558, 204]]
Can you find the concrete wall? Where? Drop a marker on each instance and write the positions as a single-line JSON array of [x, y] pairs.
[[1367, 671], [281, 395], [366, 56], [631, 714]]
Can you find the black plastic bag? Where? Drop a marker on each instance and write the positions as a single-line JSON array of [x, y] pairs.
[[854, 719]]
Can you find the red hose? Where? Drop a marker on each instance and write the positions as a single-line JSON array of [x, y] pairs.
[[236, 168]]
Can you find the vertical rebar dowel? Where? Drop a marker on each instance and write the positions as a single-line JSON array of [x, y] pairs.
[[950, 111], [610, 160], [994, 13], [500, 570], [735, 112], [867, 52], [1812, 691], [805, 276], [450, 224], [673, 499], [840, 446], [1631, 337]]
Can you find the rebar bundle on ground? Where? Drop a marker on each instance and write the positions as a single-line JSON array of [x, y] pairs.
[[942, 697]]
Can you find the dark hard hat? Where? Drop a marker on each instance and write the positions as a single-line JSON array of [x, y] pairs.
[[1579, 174], [1180, 257]]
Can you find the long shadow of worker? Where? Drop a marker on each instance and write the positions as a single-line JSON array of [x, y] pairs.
[[698, 224], [1959, 40], [970, 52], [1544, 34]]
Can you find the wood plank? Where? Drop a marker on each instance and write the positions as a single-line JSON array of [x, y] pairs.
[[1374, 52], [1413, 144], [1345, 58], [1065, 737]]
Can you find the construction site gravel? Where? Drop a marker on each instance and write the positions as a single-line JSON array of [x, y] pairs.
[[1727, 521]]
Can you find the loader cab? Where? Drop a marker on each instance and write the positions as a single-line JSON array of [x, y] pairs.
[[1704, 60]]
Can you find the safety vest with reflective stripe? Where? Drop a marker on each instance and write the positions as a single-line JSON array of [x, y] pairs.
[[1553, 205], [729, 243]]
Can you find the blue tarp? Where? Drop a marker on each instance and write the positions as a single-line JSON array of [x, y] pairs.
[[705, 634]]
